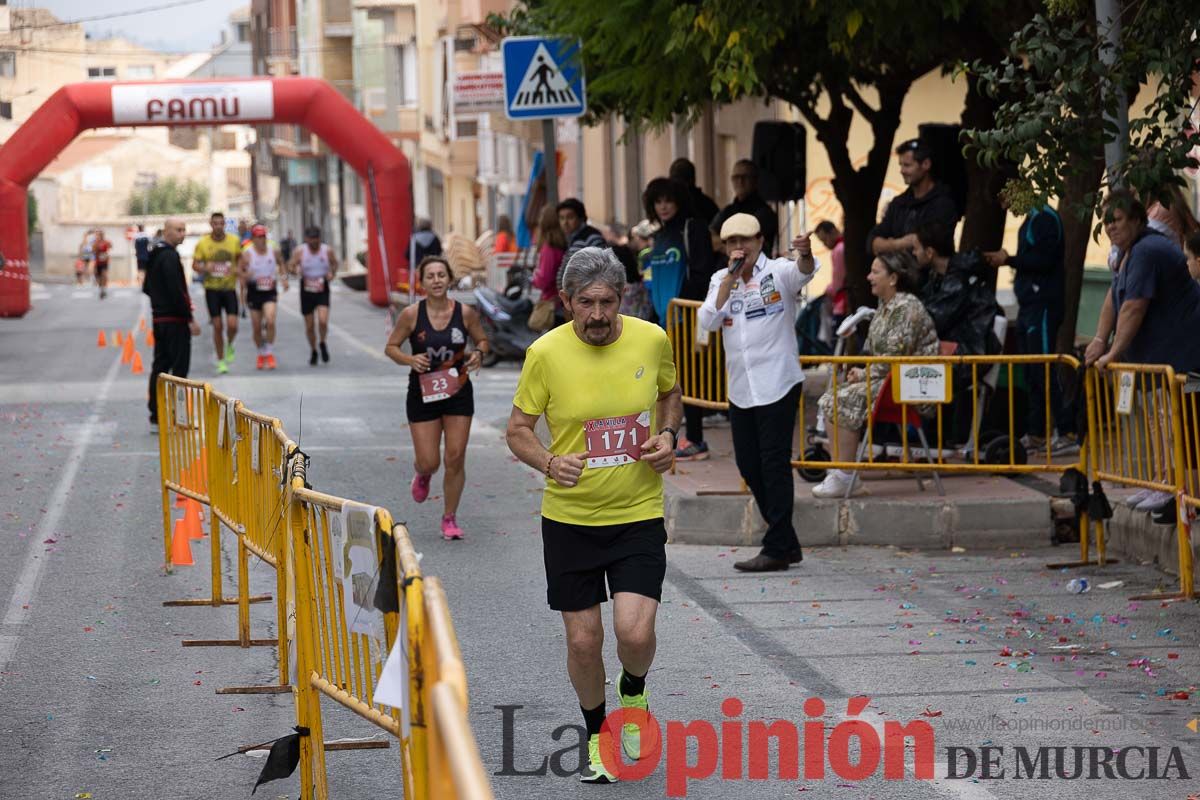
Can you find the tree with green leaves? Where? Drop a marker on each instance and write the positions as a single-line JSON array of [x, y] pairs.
[[170, 196], [653, 61], [1057, 92]]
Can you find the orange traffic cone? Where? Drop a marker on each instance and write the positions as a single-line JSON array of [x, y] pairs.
[[137, 363], [118, 338], [191, 520], [180, 500], [100, 340], [127, 350], [142, 324], [149, 338], [181, 548]]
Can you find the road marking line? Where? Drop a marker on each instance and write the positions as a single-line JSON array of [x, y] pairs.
[[35, 560]]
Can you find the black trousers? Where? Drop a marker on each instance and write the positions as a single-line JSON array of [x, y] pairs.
[[762, 447], [172, 355]]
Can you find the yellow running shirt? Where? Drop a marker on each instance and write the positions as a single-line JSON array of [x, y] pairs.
[[572, 382], [222, 258]]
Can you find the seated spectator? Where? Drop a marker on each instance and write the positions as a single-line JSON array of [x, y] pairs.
[[901, 327], [955, 292]]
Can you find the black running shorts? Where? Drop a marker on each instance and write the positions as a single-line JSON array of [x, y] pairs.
[[310, 300], [460, 404], [221, 300], [255, 299], [632, 556]]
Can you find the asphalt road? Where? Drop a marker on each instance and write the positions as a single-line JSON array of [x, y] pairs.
[[97, 696]]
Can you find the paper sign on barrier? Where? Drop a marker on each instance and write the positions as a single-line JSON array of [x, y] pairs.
[[181, 406], [921, 383], [231, 424], [1124, 393], [360, 567], [392, 689], [255, 439]]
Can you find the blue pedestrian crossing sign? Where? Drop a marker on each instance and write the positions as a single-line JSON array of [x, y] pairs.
[[543, 77]]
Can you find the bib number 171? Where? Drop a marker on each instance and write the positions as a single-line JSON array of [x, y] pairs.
[[614, 441]]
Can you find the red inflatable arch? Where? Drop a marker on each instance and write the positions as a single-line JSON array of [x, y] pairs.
[[308, 102]]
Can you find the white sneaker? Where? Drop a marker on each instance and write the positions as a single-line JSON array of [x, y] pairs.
[[1135, 499], [835, 484], [1154, 501]]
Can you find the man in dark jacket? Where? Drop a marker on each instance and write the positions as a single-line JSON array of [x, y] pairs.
[[956, 293], [425, 242], [702, 206], [171, 307], [747, 200], [1041, 296], [572, 217], [925, 200]]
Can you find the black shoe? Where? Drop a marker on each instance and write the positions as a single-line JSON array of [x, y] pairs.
[[1165, 515], [762, 563], [795, 557], [324, 353], [312, 359]]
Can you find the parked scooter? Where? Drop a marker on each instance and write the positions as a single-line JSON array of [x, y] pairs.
[[506, 323]]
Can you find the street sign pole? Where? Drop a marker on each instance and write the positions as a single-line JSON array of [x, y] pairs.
[[550, 161]]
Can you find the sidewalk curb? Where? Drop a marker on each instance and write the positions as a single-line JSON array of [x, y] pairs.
[[934, 523]]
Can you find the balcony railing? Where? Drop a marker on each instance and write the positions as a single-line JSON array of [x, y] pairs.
[[282, 42]]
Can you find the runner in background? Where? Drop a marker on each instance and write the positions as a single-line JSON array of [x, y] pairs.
[[216, 257], [441, 400], [316, 264], [261, 268], [100, 249], [84, 263]]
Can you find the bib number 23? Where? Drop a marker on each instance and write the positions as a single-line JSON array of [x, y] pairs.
[[614, 441], [439, 385]]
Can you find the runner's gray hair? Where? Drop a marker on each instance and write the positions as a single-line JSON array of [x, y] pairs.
[[593, 265]]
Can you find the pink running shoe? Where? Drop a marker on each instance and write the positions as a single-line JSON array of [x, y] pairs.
[[450, 529], [420, 487]]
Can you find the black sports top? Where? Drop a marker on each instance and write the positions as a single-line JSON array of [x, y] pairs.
[[444, 347]]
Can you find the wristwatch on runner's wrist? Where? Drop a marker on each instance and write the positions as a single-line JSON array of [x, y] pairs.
[[674, 436]]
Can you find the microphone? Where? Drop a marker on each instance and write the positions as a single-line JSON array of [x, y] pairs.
[[736, 264]]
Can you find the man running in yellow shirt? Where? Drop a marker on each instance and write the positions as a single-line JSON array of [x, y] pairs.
[[216, 258], [607, 386]]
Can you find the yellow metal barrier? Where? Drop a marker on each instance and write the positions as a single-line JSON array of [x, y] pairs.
[[455, 768], [253, 478], [181, 446], [1189, 404], [1136, 425], [699, 357], [1003, 454]]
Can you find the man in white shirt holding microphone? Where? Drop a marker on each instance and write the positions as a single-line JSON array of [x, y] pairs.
[[753, 302]]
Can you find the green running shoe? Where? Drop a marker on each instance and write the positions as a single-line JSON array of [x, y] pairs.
[[595, 771], [632, 741], [222, 367], [229, 354]]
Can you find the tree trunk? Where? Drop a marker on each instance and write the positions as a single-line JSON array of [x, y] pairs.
[[1076, 232], [983, 218], [858, 189]]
